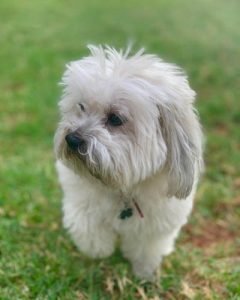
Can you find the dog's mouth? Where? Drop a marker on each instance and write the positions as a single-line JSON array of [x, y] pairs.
[[76, 143], [84, 156], [77, 155], [83, 164]]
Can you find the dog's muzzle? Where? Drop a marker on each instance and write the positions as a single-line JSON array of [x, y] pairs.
[[76, 142]]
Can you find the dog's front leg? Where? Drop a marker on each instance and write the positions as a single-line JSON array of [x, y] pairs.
[[91, 235], [146, 253]]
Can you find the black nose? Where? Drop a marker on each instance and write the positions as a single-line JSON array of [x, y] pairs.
[[75, 142]]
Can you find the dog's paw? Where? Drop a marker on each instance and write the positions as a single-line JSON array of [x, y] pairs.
[[146, 272], [98, 250], [99, 245]]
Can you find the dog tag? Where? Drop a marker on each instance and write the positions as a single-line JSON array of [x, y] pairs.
[[126, 213]]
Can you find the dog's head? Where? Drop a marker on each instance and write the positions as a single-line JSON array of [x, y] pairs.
[[126, 118]]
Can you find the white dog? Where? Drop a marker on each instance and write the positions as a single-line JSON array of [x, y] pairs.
[[129, 154]]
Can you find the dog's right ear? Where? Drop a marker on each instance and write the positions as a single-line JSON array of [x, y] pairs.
[[182, 134]]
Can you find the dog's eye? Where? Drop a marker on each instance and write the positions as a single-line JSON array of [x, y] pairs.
[[114, 120], [81, 106]]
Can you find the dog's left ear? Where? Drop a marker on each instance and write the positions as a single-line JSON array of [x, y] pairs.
[[182, 134]]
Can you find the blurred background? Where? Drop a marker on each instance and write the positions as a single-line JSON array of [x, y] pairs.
[[37, 39]]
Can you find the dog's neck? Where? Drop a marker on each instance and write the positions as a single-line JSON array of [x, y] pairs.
[[130, 204]]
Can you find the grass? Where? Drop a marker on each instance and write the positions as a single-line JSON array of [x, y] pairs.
[[37, 258]]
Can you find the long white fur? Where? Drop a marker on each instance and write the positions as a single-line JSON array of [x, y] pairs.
[[156, 158]]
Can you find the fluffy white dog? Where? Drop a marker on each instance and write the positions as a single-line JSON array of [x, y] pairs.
[[129, 154]]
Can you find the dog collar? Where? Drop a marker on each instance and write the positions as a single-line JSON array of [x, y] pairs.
[[127, 212]]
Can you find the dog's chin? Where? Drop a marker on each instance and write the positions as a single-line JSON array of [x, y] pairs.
[[83, 167]]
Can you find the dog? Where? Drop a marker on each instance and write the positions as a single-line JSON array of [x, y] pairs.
[[129, 155]]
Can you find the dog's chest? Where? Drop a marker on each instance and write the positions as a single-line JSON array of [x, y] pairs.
[[147, 216]]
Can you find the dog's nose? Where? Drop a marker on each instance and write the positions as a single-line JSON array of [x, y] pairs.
[[75, 141]]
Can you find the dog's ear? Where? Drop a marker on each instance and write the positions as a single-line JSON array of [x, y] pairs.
[[182, 134]]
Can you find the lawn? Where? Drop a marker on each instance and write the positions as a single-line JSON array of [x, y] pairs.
[[37, 38]]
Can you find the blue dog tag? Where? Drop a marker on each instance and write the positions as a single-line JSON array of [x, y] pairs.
[[126, 213]]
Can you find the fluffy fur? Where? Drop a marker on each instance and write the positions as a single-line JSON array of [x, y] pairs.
[[154, 158]]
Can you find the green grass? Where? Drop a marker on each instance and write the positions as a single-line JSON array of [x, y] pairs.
[[37, 258]]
